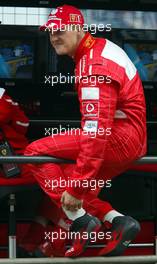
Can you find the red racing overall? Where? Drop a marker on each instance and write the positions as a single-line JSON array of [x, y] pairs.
[[113, 125]]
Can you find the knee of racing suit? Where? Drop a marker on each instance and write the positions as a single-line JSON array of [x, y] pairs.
[[31, 150]]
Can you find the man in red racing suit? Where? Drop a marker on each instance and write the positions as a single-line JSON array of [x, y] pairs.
[[112, 134]]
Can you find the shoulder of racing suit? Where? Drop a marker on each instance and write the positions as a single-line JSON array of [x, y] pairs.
[[11, 112], [106, 58]]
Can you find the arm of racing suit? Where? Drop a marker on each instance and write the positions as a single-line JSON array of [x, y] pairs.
[[97, 106], [19, 122]]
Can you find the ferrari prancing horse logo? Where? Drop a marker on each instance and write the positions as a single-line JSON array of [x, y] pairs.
[[4, 152]]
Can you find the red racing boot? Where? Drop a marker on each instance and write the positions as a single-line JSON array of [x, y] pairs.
[[82, 228], [124, 229]]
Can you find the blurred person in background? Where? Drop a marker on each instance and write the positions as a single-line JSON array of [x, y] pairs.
[[13, 130]]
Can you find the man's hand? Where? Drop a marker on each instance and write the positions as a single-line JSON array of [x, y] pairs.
[[70, 203]]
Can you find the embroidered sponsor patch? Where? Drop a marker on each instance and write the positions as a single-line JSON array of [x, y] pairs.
[[90, 93], [91, 126], [75, 18], [90, 109], [83, 64]]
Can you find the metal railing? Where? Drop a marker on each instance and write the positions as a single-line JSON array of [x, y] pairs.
[[44, 159], [77, 122], [87, 260]]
